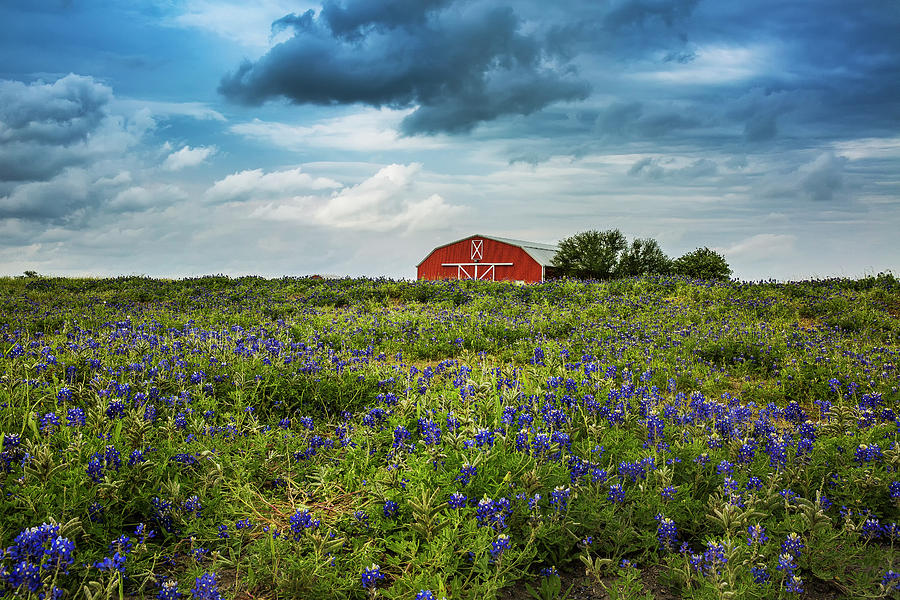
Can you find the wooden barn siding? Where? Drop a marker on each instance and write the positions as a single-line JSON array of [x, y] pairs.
[[524, 267]]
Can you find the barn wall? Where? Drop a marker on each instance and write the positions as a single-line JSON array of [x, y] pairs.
[[524, 267]]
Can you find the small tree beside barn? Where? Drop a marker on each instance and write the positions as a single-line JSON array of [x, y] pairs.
[[489, 258]]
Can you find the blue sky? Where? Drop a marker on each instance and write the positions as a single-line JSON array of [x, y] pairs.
[[190, 137]]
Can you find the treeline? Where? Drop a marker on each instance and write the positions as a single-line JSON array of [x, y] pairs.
[[607, 255]]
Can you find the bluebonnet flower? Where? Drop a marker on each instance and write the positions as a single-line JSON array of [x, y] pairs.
[[49, 423], [760, 575], [162, 513], [894, 490], [192, 506], [243, 524], [747, 451], [95, 468], [666, 533], [871, 528], [430, 431], [867, 453], [140, 531], [793, 544], [121, 544], [466, 473], [729, 485], [425, 595], [725, 468], [754, 483], [616, 493], [549, 572], [889, 579], [63, 395], [668, 492], [301, 521], [206, 588], [655, 429], [116, 562], [793, 584], [75, 417], [457, 500], [168, 590], [559, 498], [136, 457], [499, 546], [491, 513], [116, 409], [95, 512], [756, 534], [786, 563], [788, 494], [362, 518], [401, 434], [390, 509], [223, 531], [712, 559], [484, 437], [371, 576]]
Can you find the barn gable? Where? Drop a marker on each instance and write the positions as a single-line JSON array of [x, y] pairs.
[[488, 258]]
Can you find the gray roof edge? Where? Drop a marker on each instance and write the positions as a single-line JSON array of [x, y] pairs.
[[533, 249]]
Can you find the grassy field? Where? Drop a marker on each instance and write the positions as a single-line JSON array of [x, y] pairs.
[[299, 438]]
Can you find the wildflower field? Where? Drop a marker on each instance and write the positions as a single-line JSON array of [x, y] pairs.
[[300, 438]]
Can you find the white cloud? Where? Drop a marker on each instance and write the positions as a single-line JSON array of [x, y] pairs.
[[247, 23], [188, 157], [388, 200], [876, 148], [138, 198], [256, 185], [368, 130], [763, 246], [716, 64], [195, 110], [122, 178]]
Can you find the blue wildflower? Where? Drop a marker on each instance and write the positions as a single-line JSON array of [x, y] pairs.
[[206, 588], [371, 576]]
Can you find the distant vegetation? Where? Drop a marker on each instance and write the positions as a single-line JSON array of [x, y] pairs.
[[299, 438], [606, 255]]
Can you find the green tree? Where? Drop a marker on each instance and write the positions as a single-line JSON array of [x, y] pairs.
[[643, 257], [590, 254], [702, 263]]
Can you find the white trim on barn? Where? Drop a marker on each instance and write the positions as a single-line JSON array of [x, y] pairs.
[[462, 270]]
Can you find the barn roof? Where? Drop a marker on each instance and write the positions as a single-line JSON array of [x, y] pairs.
[[542, 253]]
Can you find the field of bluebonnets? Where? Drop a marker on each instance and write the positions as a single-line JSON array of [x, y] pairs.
[[302, 438]]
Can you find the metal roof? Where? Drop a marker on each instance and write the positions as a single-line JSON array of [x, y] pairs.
[[542, 253]]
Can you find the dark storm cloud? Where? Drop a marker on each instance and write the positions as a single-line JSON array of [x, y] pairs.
[[44, 126], [461, 66], [62, 112], [352, 19], [825, 179], [653, 168]]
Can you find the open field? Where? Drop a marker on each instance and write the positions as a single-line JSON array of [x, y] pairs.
[[302, 438]]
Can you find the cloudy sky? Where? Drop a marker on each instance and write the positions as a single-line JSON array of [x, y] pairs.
[[283, 137]]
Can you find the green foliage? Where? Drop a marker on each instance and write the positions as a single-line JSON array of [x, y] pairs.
[[718, 405], [606, 254], [590, 254], [643, 257], [702, 263]]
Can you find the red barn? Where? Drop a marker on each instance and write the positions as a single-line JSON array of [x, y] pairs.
[[489, 258]]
